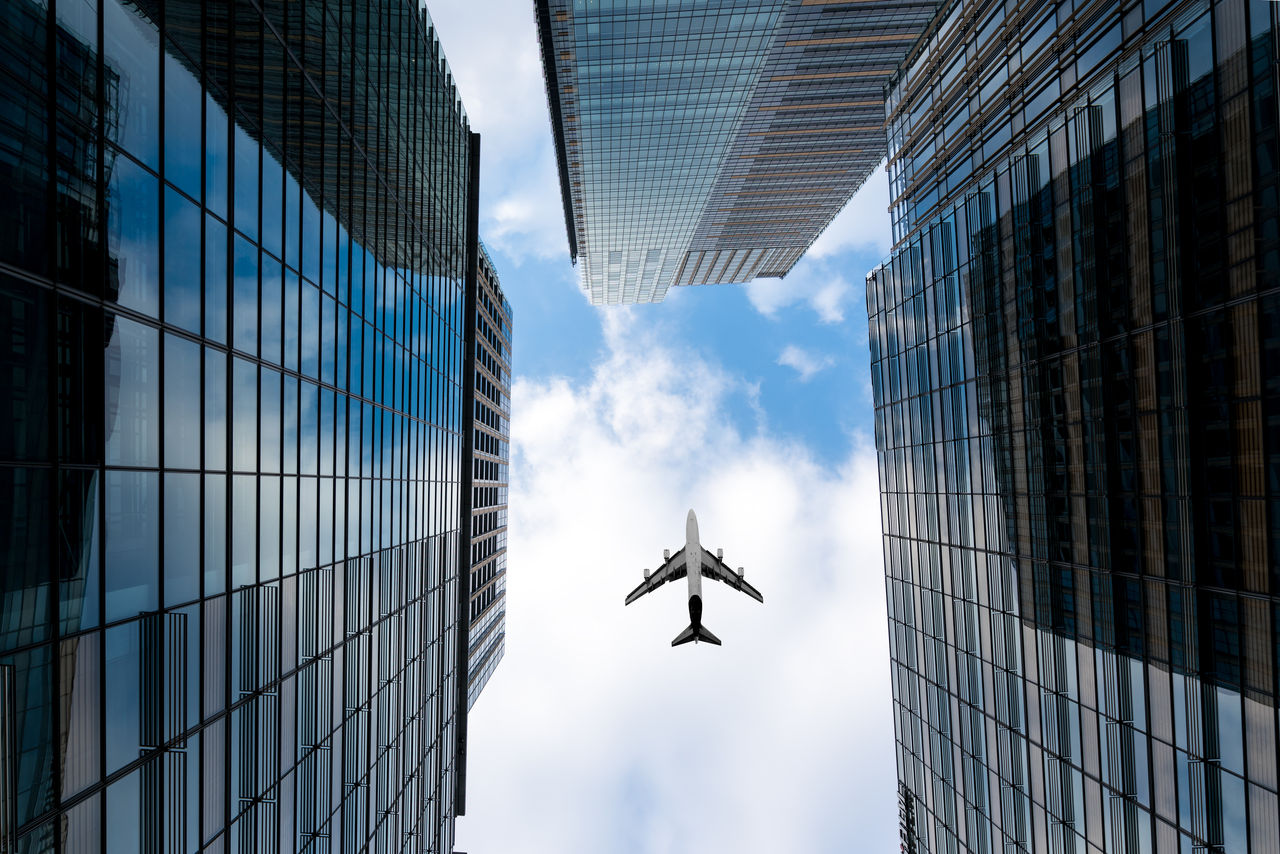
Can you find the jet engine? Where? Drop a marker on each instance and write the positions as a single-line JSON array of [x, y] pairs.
[[740, 573], [666, 554], [719, 554], [646, 575]]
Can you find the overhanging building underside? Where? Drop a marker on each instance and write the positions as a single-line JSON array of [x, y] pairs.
[[708, 146]]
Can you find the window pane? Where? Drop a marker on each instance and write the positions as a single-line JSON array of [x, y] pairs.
[[244, 403], [181, 403], [133, 234], [272, 308], [132, 393], [328, 330], [289, 526], [131, 543], [30, 785], [290, 428], [123, 802], [182, 102], [215, 157], [133, 75], [245, 312], [215, 409], [24, 378], [246, 181], [80, 712], [292, 221], [310, 337], [244, 530], [307, 503], [215, 534], [310, 239], [269, 535], [269, 420], [272, 203], [309, 432], [215, 280], [181, 538], [181, 261], [78, 549], [291, 308]]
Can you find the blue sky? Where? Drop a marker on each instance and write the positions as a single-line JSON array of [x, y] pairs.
[[753, 406]]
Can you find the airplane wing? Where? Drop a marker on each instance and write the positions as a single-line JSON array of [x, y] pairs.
[[713, 567], [672, 569]]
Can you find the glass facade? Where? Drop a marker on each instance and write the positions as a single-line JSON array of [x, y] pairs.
[[712, 142], [1075, 350], [233, 261], [490, 476]]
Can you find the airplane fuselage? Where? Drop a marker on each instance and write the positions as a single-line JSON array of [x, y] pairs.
[[694, 562], [693, 568]]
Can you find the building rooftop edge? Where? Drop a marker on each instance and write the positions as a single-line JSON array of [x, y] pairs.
[[542, 10]]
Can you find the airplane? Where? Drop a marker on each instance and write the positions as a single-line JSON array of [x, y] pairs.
[[695, 562]]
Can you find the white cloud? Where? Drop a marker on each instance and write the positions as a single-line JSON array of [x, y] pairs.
[[594, 734], [493, 52], [812, 283], [863, 224], [804, 362], [818, 279]]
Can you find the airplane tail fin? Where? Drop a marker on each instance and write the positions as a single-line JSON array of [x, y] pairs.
[[695, 633]]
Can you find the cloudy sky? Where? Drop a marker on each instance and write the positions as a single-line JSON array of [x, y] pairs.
[[751, 405]]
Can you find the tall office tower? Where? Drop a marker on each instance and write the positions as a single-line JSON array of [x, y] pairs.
[[233, 258], [1075, 345], [490, 465], [708, 142]]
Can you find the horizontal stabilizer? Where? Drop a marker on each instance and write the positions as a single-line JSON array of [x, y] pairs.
[[696, 633]]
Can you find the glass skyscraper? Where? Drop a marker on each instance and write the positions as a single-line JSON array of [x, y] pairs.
[[235, 248], [1076, 370], [490, 472], [712, 142]]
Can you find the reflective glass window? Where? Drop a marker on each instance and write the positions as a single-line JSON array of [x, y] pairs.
[[310, 239], [310, 340], [290, 426], [216, 161], [269, 420], [328, 338], [78, 549], [245, 307], [83, 828], [244, 530], [132, 383], [244, 404], [291, 308], [215, 409], [307, 502], [181, 538], [246, 182], [181, 403], [124, 806], [215, 279], [133, 235], [132, 60], [272, 203], [309, 419], [131, 544], [269, 528], [182, 126], [181, 261], [272, 309], [215, 534], [289, 525], [292, 220]]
